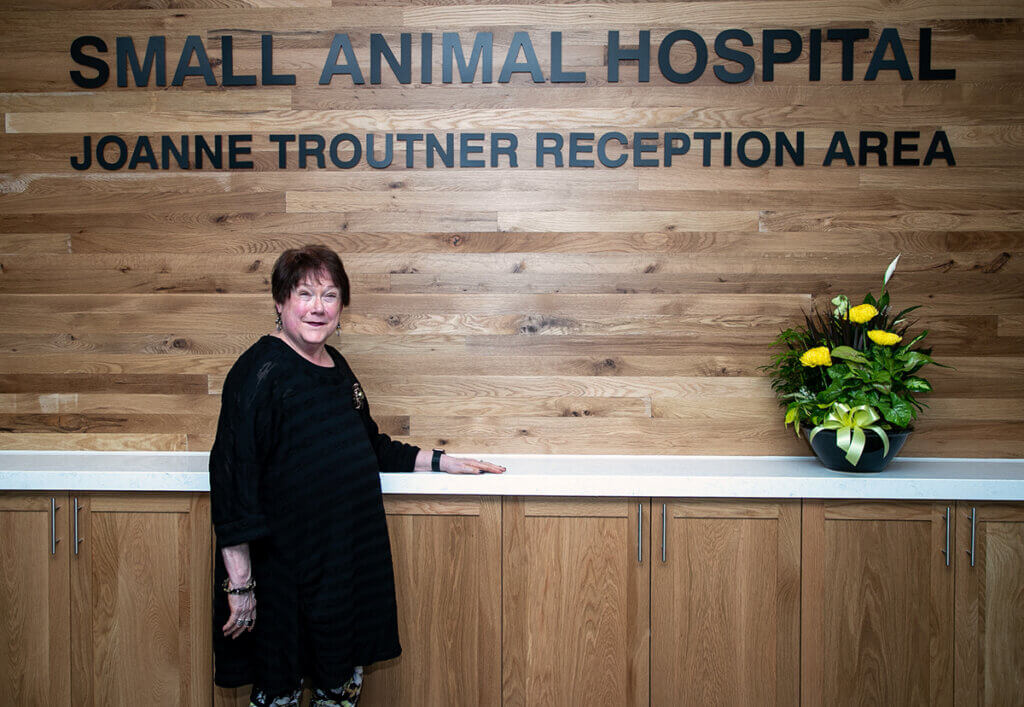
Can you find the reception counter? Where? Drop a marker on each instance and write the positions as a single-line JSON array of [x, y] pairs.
[[561, 475], [526, 572]]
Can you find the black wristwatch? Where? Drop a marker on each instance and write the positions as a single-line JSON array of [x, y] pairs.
[[435, 461]]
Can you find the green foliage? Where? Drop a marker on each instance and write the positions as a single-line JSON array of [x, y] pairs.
[[862, 371]]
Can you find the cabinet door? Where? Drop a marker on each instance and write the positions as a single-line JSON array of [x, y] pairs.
[[447, 559], [34, 605], [877, 603], [576, 602], [725, 612], [141, 598], [990, 604]]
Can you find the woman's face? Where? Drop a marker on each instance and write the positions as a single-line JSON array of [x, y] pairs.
[[310, 314]]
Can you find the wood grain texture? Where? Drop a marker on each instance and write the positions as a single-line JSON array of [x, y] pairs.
[[575, 604], [141, 600], [725, 610], [402, 505], [812, 603], [878, 596], [989, 603], [35, 616], [447, 555], [511, 309]]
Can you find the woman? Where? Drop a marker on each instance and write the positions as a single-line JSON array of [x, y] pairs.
[[296, 503]]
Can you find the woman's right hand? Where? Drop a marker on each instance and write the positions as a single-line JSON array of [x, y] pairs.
[[243, 614]]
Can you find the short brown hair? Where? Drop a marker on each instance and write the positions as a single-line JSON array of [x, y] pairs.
[[296, 264]]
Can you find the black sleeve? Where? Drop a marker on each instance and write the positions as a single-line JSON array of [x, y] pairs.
[[244, 431], [392, 457]]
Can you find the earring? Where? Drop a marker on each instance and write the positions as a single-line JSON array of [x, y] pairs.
[[337, 329], [277, 322]]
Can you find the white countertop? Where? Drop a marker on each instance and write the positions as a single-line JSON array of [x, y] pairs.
[[560, 475]]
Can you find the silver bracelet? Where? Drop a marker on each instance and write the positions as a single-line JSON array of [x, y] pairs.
[[244, 589]]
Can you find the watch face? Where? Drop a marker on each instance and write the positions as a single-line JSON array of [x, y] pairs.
[[358, 397]]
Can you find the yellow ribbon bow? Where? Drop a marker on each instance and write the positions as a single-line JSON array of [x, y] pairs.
[[849, 424]]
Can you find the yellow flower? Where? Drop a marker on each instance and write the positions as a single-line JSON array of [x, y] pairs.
[[884, 338], [863, 313], [818, 356]]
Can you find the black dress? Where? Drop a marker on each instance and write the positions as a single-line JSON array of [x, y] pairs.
[[294, 472]]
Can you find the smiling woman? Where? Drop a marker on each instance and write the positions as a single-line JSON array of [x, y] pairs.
[[310, 288], [296, 503]]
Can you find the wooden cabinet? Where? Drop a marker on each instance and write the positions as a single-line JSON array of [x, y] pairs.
[[877, 601], [595, 613], [554, 601], [989, 553], [127, 619], [725, 608], [913, 603], [35, 605], [141, 600], [447, 559], [576, 600]]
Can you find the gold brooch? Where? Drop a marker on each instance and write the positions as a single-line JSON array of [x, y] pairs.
[[358, 397]]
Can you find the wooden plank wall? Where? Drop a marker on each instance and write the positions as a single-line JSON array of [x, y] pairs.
[[506, 310]]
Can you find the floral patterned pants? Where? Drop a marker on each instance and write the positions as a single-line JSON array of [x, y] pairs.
[[346, 695]]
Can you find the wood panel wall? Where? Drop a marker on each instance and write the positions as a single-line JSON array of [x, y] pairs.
[[506, 310]]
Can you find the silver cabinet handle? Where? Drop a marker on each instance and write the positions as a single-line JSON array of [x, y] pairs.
[[664, 530], [974, 518], [946, 551], [78, 538], [640, 533], [53, 525]]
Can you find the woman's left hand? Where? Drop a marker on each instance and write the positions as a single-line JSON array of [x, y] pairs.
[[459, 465]]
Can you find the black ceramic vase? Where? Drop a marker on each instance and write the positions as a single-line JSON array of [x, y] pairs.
[[871, 459]]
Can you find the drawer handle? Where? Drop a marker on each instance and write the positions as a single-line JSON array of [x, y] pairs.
[[640, 533], [53, 525], [664, 531], [78, 538], [946, 551], [974, 518]]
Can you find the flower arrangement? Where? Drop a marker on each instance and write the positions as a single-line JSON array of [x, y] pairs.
[[852, 370]]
